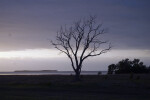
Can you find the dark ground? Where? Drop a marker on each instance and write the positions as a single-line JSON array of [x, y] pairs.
[[58, 87]]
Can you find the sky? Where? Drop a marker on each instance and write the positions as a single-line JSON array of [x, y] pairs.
[[27, 26]]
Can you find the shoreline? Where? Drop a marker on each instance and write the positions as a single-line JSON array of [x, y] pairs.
[[51, 73]]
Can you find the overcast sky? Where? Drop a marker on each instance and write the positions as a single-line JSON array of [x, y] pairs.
[[30, 24]]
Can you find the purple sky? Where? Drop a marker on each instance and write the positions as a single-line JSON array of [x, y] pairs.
[[30, 24]]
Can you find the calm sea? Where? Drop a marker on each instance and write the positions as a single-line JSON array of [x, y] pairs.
[[53, 73]]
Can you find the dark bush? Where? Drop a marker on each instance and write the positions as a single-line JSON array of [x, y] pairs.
[[126, 66]]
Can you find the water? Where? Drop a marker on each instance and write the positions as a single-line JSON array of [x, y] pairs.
[[53, 73]]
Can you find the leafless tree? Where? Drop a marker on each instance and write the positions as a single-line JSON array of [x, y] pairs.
[[80, 41]]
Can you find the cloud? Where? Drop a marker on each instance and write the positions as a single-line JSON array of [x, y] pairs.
[[30, 24]]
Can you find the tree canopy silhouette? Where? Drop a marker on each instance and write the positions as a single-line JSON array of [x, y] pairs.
[[127, 66], [80, 41]]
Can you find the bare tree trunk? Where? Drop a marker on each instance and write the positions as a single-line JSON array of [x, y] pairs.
[[77, 75]]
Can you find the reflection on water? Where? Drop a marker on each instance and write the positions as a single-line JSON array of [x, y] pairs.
[[53, 73]]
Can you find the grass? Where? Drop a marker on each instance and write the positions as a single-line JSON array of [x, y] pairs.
[[92, 87]]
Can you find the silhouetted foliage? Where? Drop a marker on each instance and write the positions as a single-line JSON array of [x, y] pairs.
[[80, 41], [127, 66], [149, 69], [111, 68]]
